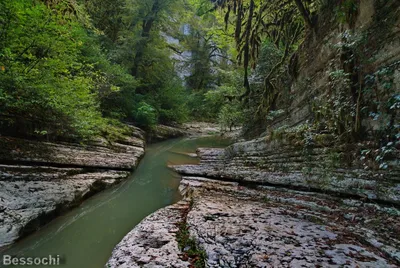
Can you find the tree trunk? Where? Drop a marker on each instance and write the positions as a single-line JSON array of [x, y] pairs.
[[146, 30], [246, 49], [304, 13]]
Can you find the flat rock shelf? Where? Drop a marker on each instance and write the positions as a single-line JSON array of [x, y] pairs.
[[41, 180], [235, 224]]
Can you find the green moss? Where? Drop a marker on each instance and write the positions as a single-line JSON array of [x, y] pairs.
[[113, 130], [315, 220], [294, 135], [188, 245], [266, 199], [324, 139]]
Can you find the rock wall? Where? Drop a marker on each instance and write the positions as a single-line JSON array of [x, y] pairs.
[[280, 164], [41, 180], [152, 243], [373, 38], [162, 133], [270, 227], [304, 148]]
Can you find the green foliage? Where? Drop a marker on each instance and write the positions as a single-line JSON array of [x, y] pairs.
[[207, 104], [44, 82], [114, 130], [223, 102], [380, 158], [347, 10], [107, 16], [230, 116], [200, 108], [172, 103], [146, 115], [261, 107], [216, 103], [187, 244], [272, 115], [269, 57], [335, 112], [63, 73], [210, 68], [382, 109]]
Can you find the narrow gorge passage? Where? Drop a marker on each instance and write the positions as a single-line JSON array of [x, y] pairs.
[[86, 236], [307, 91]]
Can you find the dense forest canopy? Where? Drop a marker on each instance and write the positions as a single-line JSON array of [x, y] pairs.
[[75, 69]]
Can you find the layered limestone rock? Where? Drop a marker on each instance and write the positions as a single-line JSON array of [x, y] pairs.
[[41, 180], [266, 227], [373, 40], [211, 129], [201, 128], [246, 210], [162, 132], [278, 163], [194, 129], [153, 242], [236, 226]]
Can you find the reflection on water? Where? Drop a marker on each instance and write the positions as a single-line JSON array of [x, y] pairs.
[[86, 236]]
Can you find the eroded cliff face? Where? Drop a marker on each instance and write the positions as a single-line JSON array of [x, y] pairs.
[[338, 140], [348, 59], [340, 132], [41, 180], [338, 128]]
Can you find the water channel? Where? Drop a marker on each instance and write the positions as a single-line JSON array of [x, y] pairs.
[[86, 236]]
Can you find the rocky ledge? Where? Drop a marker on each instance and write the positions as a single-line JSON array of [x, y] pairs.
[[280, 164], [194, 129], [236, 226], [162, 133], [41, 180], [228, 223], [153, 242], [202, 129]]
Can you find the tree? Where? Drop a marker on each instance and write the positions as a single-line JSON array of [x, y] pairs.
[[255, 21], [44, 87], [151, 14], [107, 16]]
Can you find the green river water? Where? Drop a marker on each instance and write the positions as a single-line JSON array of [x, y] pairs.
[[86, 236]]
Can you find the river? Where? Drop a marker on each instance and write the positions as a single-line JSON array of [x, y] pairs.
[[86, 236]]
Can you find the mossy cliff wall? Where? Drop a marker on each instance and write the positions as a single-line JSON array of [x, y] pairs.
[[340, 132], [351, 58]]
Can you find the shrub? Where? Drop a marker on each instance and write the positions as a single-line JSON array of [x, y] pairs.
[[230, 116], [146, 115]]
